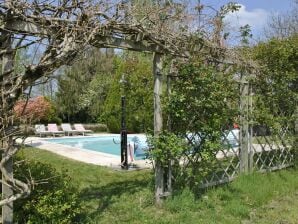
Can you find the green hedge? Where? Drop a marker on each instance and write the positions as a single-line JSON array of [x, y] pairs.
[[96, 127]]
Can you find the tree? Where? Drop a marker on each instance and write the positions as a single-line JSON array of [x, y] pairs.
[[277, 82], [34, 110], [136, 71], [283, 25], [83, 88]]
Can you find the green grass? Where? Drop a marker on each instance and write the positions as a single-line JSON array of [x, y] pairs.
[[111, 196]]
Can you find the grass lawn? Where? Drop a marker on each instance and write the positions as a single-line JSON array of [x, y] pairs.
[[110, 196]]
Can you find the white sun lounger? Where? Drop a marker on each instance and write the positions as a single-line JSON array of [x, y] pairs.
[[40, 130], [80, 129], [54, 130], [67, 129]]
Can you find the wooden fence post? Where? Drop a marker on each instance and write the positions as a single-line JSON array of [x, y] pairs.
[[296, 136], [250, 126], [244, 127], [159, 170]]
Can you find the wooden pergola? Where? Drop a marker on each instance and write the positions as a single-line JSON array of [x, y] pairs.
[[18, 22], [34, 28]]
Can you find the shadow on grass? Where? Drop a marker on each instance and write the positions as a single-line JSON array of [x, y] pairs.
[[104, 196]]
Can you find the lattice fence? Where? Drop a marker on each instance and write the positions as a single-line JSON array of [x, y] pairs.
[[273, 144], [257, 145], [213, 162]]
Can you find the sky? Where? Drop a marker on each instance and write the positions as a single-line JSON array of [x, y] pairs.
[[256, 13]]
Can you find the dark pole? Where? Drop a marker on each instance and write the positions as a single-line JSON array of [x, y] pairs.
[[124, 163]]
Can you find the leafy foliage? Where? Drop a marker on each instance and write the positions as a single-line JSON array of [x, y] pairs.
[[167, 146], [276, 85], [245, 32], [137, 88], [203, 100], [90, 91], [53, 200], [96, 127], [38, 109], [83, 88], [202, 106]]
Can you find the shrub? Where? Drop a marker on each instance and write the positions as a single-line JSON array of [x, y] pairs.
[[113, 125], [54, 200], [96, 127], [38, 109], [167, 146], [55, 120]]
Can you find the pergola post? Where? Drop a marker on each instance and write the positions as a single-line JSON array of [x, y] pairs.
[[159, 170], [6, 60], [169, 126]]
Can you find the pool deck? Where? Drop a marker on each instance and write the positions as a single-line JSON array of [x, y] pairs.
[[85, 155]]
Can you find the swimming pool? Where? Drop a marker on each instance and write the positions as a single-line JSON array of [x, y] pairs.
[[105, 144]]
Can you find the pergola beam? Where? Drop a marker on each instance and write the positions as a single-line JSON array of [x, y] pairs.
[[114, 42], [23, 27]]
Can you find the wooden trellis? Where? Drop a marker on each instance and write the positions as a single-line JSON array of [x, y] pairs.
[[247, 150]]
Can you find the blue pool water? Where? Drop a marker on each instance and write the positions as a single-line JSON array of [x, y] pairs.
[[105, 144]]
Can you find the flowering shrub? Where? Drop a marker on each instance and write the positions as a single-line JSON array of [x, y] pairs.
[[37, 109]]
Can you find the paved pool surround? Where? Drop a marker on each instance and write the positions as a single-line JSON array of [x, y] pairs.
[[85, 155]]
